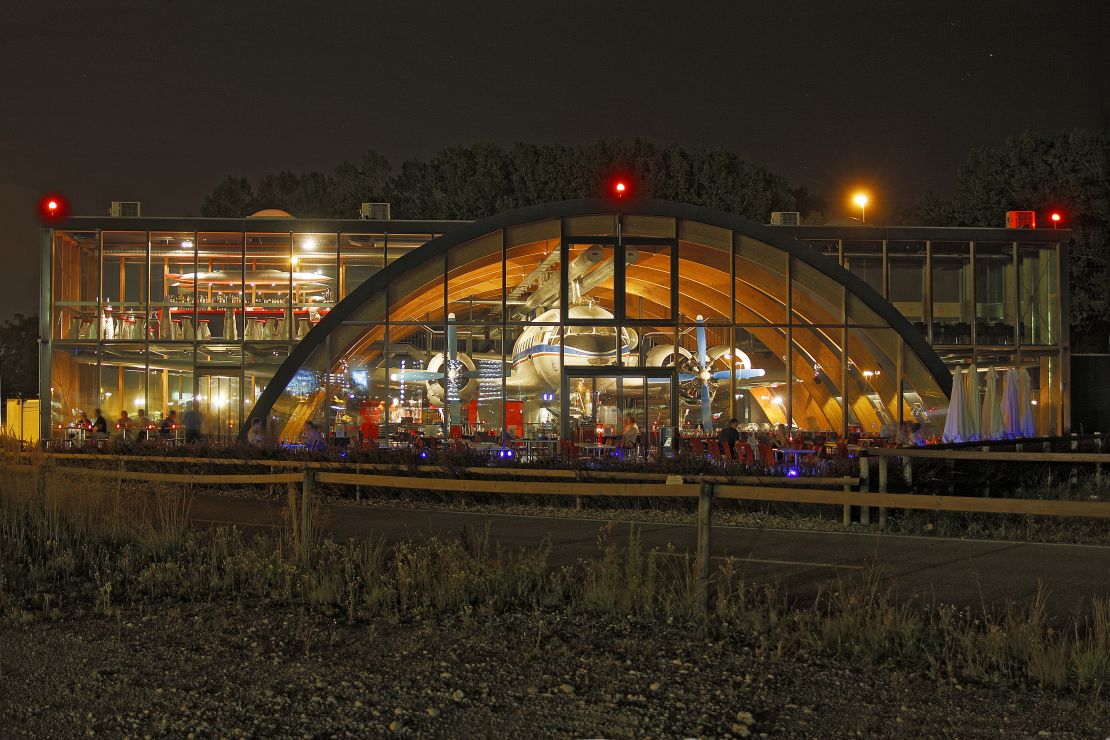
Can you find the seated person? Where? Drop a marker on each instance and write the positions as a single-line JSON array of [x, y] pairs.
[[631, 436], [256, 436], [100, 425], [144, 424], [124, 424], [169, 424], [84, 422], [729, 436], [313, 440]]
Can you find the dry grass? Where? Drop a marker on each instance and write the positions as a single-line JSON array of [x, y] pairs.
[[70, 545]]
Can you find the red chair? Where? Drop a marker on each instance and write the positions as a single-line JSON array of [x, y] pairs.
[[697, 446], [766, 454], [714, 449], [745, 453], [456, 432], [727, 450]]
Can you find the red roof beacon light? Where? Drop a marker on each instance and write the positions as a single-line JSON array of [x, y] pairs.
[[620, 187], [1055, 219], [53, 208]]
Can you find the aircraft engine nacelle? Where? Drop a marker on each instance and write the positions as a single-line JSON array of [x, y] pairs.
[[466, 376]]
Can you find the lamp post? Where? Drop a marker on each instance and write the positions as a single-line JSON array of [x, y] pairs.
[[861, 200]]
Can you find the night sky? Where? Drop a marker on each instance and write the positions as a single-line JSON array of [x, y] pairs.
[[157, 102]]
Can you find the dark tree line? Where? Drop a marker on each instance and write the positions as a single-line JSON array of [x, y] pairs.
[[19, 357], [1068, 171], [476, 181]]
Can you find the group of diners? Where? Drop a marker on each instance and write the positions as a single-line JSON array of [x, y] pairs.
[[140, 426]]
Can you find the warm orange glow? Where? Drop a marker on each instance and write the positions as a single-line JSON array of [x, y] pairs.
[[861, 199]]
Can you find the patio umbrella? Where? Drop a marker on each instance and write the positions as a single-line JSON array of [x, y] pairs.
[[1025, 399], [973, 431], [954, 424], [991, 427], [1011, 410]]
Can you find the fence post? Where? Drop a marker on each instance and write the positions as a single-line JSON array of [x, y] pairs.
[[884, 467], [1073, 478], [307, 490], [705, 532], [864, 485], [1098, 466]]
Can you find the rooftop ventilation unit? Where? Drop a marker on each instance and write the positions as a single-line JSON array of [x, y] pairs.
[[125, 209], [374, 211], [1021, 219], [785, 218]]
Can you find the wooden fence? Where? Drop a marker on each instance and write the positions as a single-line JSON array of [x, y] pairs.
[[584, 483]]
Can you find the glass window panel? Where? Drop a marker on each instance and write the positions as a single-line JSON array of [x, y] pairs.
[[994, 294], [648, 281], [906, 264], [817, 367], [818, 298], [172, 257], [692, 379], [170, 383], [76, 277], [760, 396], [314, 280], [760, 282], [603, 225], [705, 281], [658, 226], [416, 296], [301, 400], [74, 383], [398, 245], [590, 281], [266, 289], [218, 282], [124, 286], [1040, 297], [361, 256], [873, 380], [474, 289], [927, 403], [952, 304], [122, 381], [533, 385], [864, 259], [532, 273]]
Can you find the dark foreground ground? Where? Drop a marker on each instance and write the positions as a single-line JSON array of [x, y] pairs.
[[224, 671]]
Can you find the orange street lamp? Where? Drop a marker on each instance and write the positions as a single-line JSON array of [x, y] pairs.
[[861, 200]]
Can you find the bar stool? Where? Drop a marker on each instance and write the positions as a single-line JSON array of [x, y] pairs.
[[203, 330], [303, 326], [270, 330], [187, 328]]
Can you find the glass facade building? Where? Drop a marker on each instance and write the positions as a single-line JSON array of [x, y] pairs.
[[542, 321]]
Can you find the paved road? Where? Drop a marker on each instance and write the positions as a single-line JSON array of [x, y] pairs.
[[967, 573]]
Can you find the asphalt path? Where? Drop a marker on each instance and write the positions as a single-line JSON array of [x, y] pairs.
[[965, 573]]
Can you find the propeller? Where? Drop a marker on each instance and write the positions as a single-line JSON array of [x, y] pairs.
[[706, 376]]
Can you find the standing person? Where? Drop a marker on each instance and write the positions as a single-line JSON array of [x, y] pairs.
[[730, 435], [256, 437], [100, 425], [192, 421]]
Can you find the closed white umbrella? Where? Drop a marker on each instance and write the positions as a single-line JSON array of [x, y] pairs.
[[992, 427], [954, 423], [1025, 399], [1011, 409], [971, 401]]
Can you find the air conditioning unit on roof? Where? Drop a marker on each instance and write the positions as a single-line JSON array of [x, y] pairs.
[[374, 211], [1021, 219], [126, 209], [785, 218]]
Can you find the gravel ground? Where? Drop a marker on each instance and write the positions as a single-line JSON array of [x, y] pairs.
[[228, 670]]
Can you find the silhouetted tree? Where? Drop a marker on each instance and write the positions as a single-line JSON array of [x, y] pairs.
[[1068, 171], [19, 356]]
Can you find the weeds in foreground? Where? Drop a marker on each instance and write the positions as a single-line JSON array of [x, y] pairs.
[[69, 546]]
